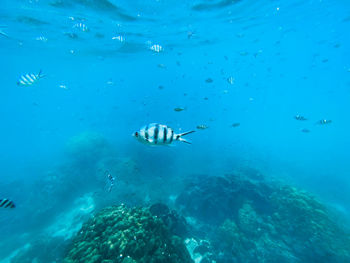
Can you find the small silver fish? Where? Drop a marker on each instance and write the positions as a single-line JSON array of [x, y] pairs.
[[159, 134], [231, 80], [324, 121], [300, 118], [304, 130], [202, 127], [178, 109], [190, 34], [161, 66], [2, 33], [29, 79], [5, 203]]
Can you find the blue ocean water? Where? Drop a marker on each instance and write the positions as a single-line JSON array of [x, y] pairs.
[[242, 70]]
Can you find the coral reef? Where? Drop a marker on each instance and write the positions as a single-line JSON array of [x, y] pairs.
[[251, 219], [174, 222], [121, 235], [213, 199]]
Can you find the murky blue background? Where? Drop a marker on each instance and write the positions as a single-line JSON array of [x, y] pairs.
[[286, 58]]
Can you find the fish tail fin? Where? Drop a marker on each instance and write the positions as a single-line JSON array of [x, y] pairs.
[[179, 137], [185, 133], [40, 75]]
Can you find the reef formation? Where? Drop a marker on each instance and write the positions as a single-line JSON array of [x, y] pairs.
[[119, 234], [250, 219]]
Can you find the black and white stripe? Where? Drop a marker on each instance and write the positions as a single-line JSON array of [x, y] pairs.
[[5, 203], [155, 133], [81, 26], [159, 134], [29, 79]]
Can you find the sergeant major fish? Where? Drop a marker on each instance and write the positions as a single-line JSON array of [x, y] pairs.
[[81, 26], [156, 48], [5, 203], [159, 134], [29, 79]]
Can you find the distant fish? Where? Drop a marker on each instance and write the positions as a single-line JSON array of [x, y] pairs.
[[158, 134], [178, 109], [2, 33], [300, 118], [236, 124], [111, 180], [81, 26], [209, 80], [305, 130], [41, 38], [71, 35], [161, 66], [5, 203], [156, 48], [324, 121], [231, 80], [190, 34], [29, 79], [202, 127], [119, 38]]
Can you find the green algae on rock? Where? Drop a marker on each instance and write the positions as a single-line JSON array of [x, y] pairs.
[[122, 235]]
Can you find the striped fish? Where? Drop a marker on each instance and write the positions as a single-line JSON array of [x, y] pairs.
[[156, 48], [81, 26], [158, 134], [5, 203], [29, 79]]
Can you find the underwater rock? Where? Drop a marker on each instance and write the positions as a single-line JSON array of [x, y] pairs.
[[214, 199], [121, 235], [248, 219], [251, 219], [200, 250], [41, 250], [175, 223], [308, 226]]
